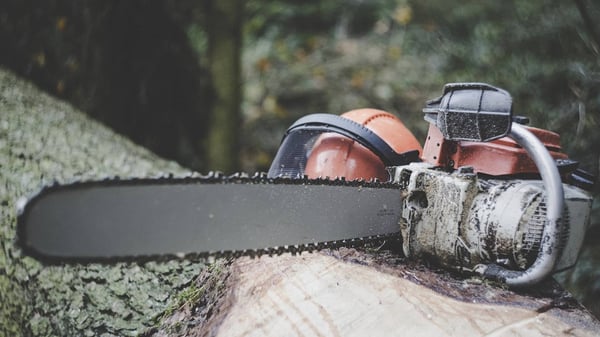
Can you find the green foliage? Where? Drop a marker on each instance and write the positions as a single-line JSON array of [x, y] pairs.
[[279, 18], [540, 51]]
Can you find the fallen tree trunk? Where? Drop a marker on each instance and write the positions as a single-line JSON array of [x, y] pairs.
[[43, 140], [344, 292]]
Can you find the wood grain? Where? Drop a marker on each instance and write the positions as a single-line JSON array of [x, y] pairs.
[[325, 295]]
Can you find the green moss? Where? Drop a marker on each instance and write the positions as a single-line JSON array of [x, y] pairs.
[[194, 304]]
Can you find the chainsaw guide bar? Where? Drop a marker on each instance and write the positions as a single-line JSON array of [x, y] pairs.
[[197, 216]]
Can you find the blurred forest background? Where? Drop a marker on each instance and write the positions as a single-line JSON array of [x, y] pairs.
[[213, 84]]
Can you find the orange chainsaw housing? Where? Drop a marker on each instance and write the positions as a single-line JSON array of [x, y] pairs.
[[498, 158]]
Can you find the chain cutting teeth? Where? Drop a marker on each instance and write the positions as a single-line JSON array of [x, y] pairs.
[[217, 177], [376, 240]]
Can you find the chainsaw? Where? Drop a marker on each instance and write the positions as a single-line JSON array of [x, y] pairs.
[[485, 195]]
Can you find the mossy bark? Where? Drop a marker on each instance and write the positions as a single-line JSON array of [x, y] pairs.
[[43, 140]]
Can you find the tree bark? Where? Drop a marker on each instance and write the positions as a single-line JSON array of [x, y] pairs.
[[225, 40], [43, 140]]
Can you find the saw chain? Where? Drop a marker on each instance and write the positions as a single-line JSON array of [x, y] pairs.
[[195, 211]]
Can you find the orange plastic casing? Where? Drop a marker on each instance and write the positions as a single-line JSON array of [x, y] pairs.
[[335, 155], [497, 158]]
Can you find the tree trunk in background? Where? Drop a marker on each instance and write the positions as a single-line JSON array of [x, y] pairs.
[[225, 39]]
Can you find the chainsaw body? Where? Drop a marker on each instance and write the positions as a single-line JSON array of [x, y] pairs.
[[486, 194], [493, 196], [462, 221]]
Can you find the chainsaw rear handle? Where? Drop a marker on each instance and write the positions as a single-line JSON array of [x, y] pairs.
[[549, 247]]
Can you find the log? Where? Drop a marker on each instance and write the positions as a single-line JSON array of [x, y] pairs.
[[351, 292], [343, 292], [43, 140]]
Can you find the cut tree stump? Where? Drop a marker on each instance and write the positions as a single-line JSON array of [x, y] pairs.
[[355, 293], [344, 292]]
